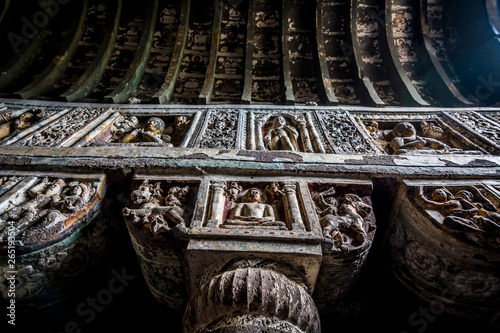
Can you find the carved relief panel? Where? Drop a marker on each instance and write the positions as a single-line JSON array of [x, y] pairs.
[[478, 128], [343, 134], [158, 217], [67, 129], [221, 130], [240, 205], [416, 134], [447, 234], [291, 131], [56, 227], [18, 123], [140, 129]]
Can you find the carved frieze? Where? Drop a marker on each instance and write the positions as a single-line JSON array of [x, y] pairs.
[[45, 209], [412, 137], [161, 130], [15, 121]]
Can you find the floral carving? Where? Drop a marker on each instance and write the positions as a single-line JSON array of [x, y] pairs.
[[343, 135], [57, 132], [221, 130]]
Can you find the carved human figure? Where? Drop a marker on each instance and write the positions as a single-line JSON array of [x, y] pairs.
[[403, 139], [430, 130], [462, 213], [344, 222], [75, 197], [275, 192], [156, 211], [123, 125], [251, 211], [233, 191], [11, 125], [45, 197], [151, 131], [281, 136]]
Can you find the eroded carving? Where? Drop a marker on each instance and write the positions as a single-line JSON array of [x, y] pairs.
[[251, 211], [344, 221], [467, 214], [157, 212], [42, 215], [419, 137]]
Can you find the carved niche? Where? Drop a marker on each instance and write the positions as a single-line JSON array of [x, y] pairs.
[[280, 131], [243, 205]]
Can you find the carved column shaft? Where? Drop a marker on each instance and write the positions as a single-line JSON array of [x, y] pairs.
[[316, 140], [292, 207], [251, 131], [217, 204], [306, 139], [258, 135]]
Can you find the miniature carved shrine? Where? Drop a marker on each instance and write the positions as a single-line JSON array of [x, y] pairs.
[[265, 165]]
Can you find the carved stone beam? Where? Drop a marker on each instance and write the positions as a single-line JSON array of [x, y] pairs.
[[217, 204], [292, 208], [134, 74], [47, 79], [166, 91]]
